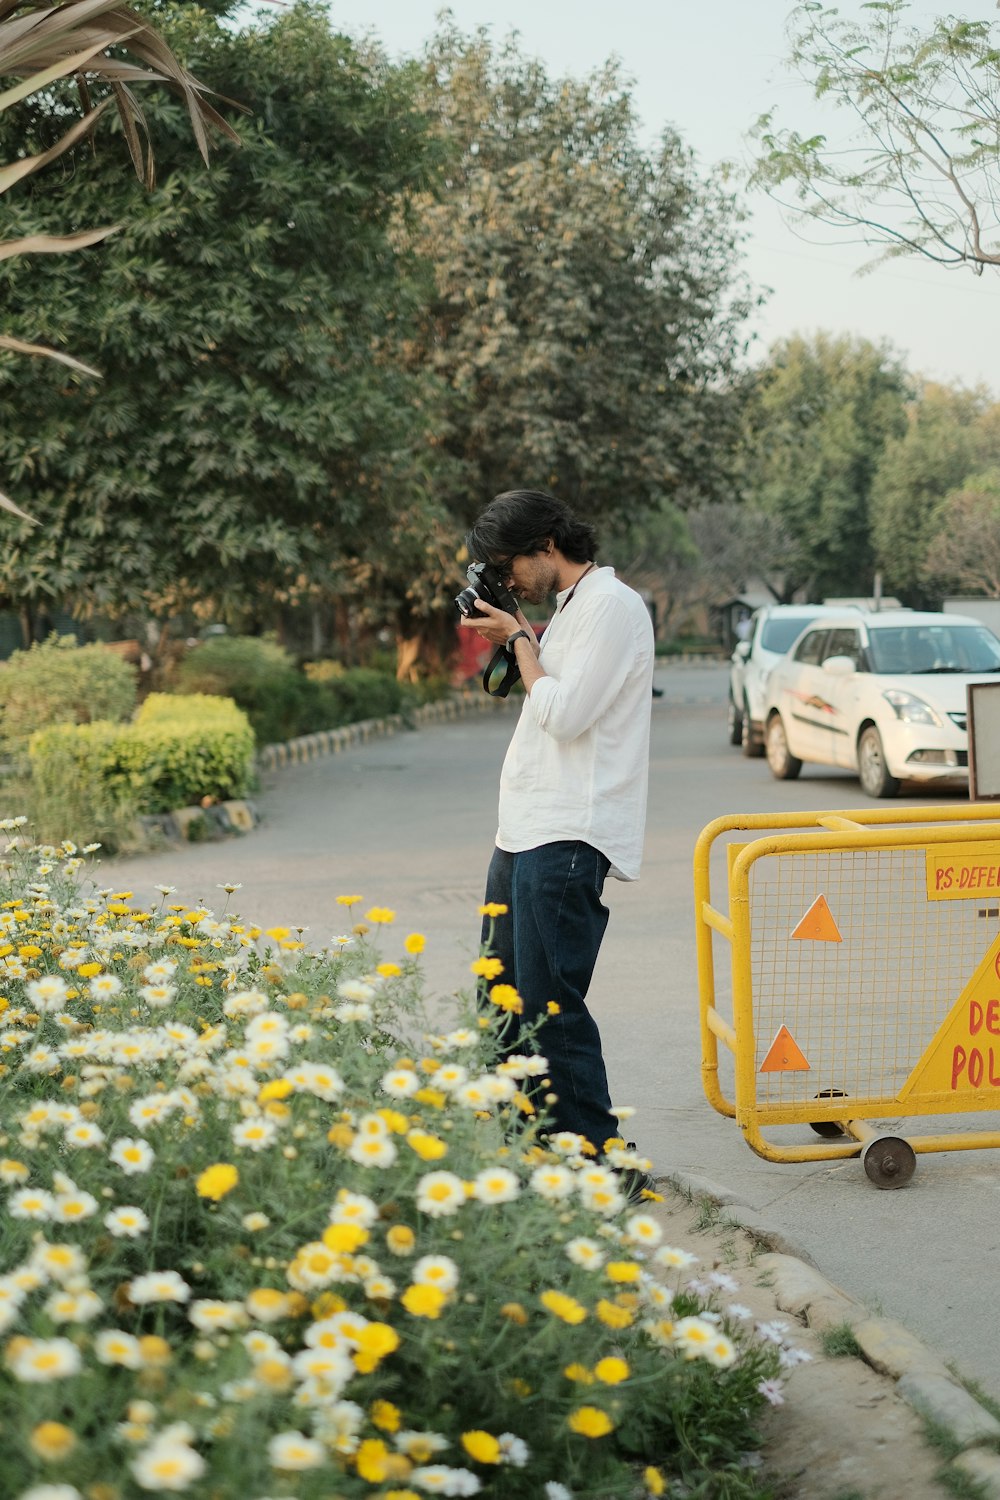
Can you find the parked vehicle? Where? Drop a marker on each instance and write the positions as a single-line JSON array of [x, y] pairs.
[[880, 694], [773, 628]]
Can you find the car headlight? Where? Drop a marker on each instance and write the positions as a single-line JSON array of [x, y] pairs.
[[911, 709]]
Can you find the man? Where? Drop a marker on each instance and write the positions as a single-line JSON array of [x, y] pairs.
[[573, 785]]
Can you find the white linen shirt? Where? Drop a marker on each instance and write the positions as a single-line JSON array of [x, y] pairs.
[[577, 766]]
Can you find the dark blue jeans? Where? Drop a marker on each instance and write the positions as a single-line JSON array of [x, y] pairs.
[[548, 944]]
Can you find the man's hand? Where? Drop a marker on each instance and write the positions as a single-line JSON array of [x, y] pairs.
[[494, 625]]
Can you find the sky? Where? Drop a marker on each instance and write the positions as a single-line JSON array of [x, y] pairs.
[[710, 68]]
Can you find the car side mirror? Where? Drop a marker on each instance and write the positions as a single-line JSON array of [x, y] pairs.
[[742, 650], [840, 666]]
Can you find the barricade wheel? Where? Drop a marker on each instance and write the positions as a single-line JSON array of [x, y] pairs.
[[828, 1129], [889, 1161]]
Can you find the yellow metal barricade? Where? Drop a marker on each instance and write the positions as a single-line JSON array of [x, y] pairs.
[[865, 962]]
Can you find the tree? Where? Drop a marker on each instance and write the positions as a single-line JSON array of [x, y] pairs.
[[84, 39], [949, 434], [255, 425], [920, 173], [821, 413], [965, 552], [584, 306]]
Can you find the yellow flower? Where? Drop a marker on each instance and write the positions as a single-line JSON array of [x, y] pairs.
[[371, 1460], [579, 1373], [424, 1301], [655, 1482], [344, 1237], [415, 943], [507, 998], [514, 1312], [388, 971], [348, 900], [436, 1098], [386, 1416], [278, 1088], [380, 915], [52, 1441], [400, 1240], [428, 1147], [612, 1371], [216, 1181], [487, 968], [482, 1446], [612, 1315], [590, 1421], [554, 1008], [154, 1351], [340, 1135], [394, 1120], [564, 1307], [88, 971], [374, 1341], [493, 909], [622, 1270]]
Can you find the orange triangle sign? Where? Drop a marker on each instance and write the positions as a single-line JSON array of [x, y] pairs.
[[784, 1055], [961, 1067], [818, 925]]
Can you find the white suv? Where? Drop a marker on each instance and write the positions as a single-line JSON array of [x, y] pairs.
[[774, 628]]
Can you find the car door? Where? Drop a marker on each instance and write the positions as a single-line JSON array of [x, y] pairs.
[[803, 704], [842, 693]]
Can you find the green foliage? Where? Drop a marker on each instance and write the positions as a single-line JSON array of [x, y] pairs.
[[949, 435], [583, 303], [822, 412], [369, 1272], [59, 682], [88, 779], [280, 701], [253, 426], [839, 1342]]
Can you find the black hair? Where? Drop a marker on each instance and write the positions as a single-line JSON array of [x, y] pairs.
[[522, 521]]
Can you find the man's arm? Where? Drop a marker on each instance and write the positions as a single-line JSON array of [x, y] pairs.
[[497, 626]]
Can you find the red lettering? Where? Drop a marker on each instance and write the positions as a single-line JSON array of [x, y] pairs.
[[975, 1067], [975, 1017], [958, 1061], [994, 1077], [942, 878], [963, 879], [993, 1017]]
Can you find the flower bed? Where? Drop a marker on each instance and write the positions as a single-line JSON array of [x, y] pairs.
[[267, 1233]]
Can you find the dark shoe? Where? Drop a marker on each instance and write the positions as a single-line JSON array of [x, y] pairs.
[[657, 692]]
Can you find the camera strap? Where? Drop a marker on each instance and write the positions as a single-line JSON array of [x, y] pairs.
[[507, 654]]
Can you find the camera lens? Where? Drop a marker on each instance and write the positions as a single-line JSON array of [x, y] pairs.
[[466, 602]]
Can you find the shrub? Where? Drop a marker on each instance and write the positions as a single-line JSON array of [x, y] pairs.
[[266, 1231], [59, 682], [259, 675], [89, 781]]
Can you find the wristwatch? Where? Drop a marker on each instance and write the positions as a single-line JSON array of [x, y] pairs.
[[518, 635]]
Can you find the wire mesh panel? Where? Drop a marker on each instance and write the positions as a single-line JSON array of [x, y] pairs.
[[862, 1009]]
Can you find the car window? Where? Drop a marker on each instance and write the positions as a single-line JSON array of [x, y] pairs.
[[844, 643], [780, 631], [934, 648], [810, 648]]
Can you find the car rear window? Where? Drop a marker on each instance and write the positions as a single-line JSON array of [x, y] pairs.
[[779, 633]]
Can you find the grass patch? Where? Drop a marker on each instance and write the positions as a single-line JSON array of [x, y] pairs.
[[840, 1343]]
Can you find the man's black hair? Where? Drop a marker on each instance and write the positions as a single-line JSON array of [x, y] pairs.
[[522, 521]]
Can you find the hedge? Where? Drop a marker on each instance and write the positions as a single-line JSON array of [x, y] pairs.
[[59, 682], [89, 780]]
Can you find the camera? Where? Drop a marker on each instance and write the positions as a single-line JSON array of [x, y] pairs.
[[485, 583]]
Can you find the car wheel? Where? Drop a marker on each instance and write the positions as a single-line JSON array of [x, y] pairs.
[[734, 723], [872, 771], [753, 748], [784, 765]]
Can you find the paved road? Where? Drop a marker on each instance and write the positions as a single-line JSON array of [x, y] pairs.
[[408, 822]]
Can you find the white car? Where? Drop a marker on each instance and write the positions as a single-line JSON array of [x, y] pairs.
[[773, 628], [882, 694]]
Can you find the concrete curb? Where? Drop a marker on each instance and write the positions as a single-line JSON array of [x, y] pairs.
[[921, 1379], [332, 741]]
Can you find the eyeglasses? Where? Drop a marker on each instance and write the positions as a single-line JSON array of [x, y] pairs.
[[503, 567]]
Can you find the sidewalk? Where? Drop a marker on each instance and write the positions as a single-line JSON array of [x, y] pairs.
[[872, 1414]]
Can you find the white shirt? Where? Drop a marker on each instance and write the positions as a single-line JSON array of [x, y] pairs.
[[578, 764]]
